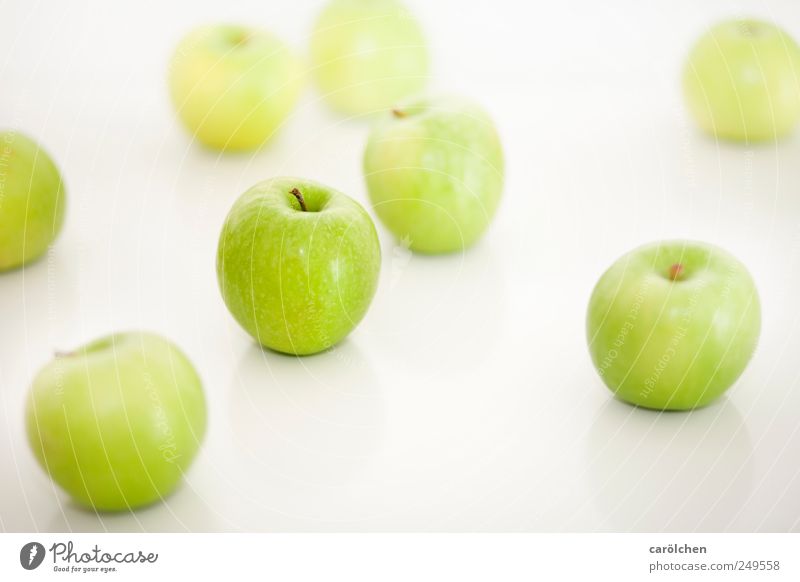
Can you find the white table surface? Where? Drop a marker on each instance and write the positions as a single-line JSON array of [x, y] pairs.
[[466, 400]]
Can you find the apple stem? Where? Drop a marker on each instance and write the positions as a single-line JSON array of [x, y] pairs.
[[675, 272], [398, 113], [296, 193]]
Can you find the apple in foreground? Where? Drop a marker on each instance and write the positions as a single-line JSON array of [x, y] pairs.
[[673, 324], [233, 86], [434, 171], [741, 81], [297, 264], [117, 422], [32, 200], [368, 54]]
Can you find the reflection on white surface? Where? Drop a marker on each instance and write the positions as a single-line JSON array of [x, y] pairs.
[[302, 431], [651, 471], [440, 313], [313, 419], [184, 511]]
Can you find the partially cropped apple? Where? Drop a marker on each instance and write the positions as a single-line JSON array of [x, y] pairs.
[[434, 171], [32, 200], [234, 86], [297, 264], [368, 54], [741, 81], [672, 325], [117, 422]]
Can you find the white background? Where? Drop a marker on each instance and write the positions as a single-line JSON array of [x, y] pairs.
[[466, 400]]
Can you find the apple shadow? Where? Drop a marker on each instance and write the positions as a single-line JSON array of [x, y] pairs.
[[668, 471], [439, 315], [45, 290], [311, 420], [183, 510], [73, 517]]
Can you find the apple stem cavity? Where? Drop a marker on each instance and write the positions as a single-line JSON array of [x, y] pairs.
[[240, 38], [399, 113], [297, 194], [676, 272], [750, 29]]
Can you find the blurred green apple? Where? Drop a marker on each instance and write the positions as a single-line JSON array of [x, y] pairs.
[[233, 86], [742, 81], [297, 264], [32, 200], [434, 170], [368, 54], [117, 422], [672, 325]]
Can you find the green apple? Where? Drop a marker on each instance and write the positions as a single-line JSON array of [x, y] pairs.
[[297, 264], [434, 171], [742, 81], [117, 422], [32, 200], [672, 325], [233, 86], [368, 54]]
